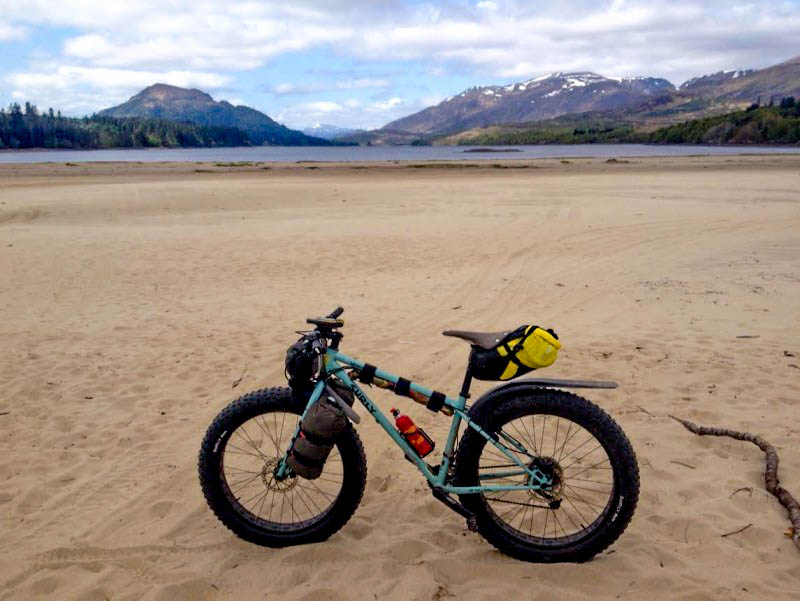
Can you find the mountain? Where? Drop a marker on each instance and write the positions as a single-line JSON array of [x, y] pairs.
[[777, 124], [586, 97], [714, 79], [329, 132], [163, 101], [544, 97], [744, 87]]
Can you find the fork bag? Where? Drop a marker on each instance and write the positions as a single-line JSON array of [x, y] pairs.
[[322, 424]]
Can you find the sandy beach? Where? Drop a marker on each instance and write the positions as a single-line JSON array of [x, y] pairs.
[[133, 296]]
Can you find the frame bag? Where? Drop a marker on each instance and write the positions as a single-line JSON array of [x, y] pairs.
[[519, 352]]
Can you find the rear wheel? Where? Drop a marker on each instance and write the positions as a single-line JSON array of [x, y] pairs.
[[239, 454], [592, 466]]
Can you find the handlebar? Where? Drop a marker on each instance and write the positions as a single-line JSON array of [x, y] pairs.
[[329, 322]]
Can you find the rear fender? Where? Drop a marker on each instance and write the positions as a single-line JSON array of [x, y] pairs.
[[481, 409]]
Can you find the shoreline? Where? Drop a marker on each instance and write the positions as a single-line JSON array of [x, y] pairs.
[[377, 154], [476, 148], [505, 165]]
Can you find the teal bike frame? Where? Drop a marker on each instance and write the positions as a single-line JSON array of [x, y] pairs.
[[334, 363]]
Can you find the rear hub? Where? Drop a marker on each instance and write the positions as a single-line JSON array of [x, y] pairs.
[[553, 471]]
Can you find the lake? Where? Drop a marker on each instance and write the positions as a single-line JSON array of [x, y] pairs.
[[376, 153]]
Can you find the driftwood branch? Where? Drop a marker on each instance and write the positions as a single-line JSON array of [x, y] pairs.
[[742, 529], [771, 482], [239, 379]]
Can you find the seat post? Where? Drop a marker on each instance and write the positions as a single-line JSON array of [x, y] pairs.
[[467, 380]]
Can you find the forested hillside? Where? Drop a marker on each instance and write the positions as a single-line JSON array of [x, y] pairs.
[[28, 128], [771, 124], [757, 125]]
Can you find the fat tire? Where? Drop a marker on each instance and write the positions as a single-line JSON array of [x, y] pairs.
[[582, 412], [234, 415]]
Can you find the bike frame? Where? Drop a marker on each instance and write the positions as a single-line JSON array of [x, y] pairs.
[[334, 363]]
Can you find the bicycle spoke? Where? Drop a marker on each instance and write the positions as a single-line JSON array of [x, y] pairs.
[[544, 423], [241, 471], [571, 478], [240, 450], [266, 430], [555, 440], [588, 489], [584, 501], [581, 445], [245, 480], [583, 498], [592, 467], [310, 498], [261, 507], [582, 457], [544, 530], [247, 438], [289, 503], [566, 440]]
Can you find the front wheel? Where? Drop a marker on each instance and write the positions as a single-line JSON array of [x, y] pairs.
[[238, 457], [592, 466]]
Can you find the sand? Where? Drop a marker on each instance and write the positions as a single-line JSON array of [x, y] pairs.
[[134, 296]]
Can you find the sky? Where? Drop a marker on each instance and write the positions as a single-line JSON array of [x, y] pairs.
[[364, 63]]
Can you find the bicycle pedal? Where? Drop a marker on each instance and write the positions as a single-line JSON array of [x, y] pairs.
[[472, 523]]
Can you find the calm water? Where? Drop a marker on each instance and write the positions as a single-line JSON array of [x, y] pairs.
[[374, 153]]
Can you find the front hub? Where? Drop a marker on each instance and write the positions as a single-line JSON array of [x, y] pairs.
[[272, 482]]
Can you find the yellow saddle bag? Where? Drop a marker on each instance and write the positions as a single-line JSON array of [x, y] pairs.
[[527, 348]]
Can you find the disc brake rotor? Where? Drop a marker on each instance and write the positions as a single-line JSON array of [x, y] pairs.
[[552, 469], [268, 477]]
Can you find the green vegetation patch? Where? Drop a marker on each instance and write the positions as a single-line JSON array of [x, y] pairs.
[[756, 125], [29, 128]]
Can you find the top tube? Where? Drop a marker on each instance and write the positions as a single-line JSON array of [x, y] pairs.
[[453, 403]]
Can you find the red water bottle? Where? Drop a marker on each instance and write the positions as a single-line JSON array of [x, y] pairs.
[[416, 437]]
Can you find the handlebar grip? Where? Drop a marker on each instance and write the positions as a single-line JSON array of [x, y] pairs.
[[336, 312]]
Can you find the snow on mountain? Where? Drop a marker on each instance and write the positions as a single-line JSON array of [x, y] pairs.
[[541, 97], [713, 79]]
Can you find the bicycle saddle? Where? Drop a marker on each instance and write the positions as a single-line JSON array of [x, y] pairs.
[[484, 340]]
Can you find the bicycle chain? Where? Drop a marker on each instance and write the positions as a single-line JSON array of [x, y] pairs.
[[509, 501], [518, 503]]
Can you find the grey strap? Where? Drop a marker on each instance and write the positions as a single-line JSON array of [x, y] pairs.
[[348, 411]]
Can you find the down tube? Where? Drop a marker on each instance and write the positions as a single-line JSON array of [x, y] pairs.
[[386, 425]]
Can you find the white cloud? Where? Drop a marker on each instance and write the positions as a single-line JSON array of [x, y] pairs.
[[350, 113], [285, 88], [317, 87], [12, 33], [321, 107], [665, 37], [488, 40], [385, 105], [79, 90]]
